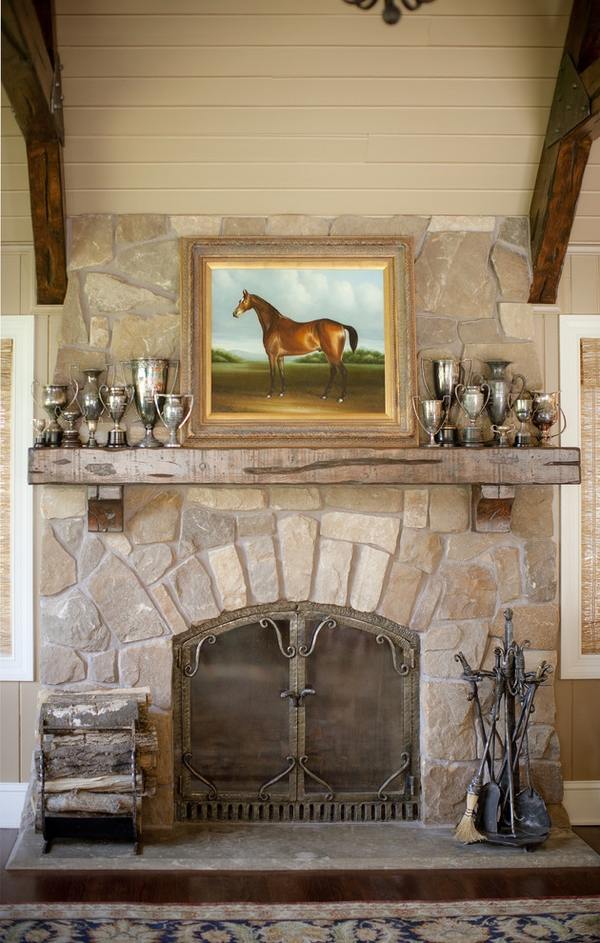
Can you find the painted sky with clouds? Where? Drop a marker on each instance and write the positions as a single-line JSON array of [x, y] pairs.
[[351, 296]]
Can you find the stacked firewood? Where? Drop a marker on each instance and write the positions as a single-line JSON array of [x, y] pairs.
[[84, 752]]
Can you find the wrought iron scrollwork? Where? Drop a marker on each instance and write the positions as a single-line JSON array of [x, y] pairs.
[[391, 12], [265, 796], [327, 623], [405, 757], [191, 669], [213, 793], [302, 761], [401, 669], [287, 652]]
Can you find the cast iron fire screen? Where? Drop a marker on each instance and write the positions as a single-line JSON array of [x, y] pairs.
[[297, 712]]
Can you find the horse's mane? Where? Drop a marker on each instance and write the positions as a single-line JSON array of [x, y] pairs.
[[268, 305]]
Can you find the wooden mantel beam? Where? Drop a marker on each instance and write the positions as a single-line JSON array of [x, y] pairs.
[[31, 77], [573, 123]]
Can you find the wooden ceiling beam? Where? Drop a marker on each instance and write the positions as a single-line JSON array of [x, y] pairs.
[[573, 123], [31, 78]]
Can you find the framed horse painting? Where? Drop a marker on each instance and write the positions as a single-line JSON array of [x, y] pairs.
[[307, 341]]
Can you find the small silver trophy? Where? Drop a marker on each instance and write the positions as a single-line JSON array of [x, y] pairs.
[[447, 374], [116, 400], [71, 416], [432, 416], [546, 411], [150, 378], [472, 400], [523, 410], [39, 428], [174, 414], [91, 404], [55, 399]]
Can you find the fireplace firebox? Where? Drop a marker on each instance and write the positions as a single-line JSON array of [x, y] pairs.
[[297, 712]]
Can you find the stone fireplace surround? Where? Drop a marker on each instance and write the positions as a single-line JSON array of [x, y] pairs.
[[112, 604]]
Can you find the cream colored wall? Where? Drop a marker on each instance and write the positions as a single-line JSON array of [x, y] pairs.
[[578, 702], [586, 228], [16, 218], [279, 106], [18, 699]]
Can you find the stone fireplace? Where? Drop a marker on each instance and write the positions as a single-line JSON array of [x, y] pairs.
[[401, 562]]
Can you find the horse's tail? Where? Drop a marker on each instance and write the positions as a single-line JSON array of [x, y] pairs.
[[353, 335]]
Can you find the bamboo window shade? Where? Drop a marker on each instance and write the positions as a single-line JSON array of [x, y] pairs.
[[6, 448], [590, 495]]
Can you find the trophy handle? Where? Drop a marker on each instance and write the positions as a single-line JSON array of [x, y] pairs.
[[190, 396], [414, 400], [425, 360], [487, 399], [460, 386], [176, 363], [75, 383], [563, 419], [104, 386], [158, 396], [514, 396]]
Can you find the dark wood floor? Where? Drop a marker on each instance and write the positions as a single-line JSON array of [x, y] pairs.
[[185, 887]]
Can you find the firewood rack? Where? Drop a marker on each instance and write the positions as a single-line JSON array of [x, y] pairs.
[[117, 826]]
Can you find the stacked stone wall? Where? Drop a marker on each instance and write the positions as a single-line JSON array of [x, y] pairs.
[[112, 603]]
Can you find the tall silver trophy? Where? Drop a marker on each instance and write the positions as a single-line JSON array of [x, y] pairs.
[[116, 399], [447, 374], [472, 399], [502, 395], [176, 411], [91, 404], [149, 376]]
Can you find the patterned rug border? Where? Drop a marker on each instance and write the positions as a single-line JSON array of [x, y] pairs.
[[313, 911]]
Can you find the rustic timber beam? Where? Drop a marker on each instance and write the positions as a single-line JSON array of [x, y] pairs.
[[573, 123], [31, 77]]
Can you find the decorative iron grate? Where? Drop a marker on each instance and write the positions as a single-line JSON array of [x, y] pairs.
[[271, 812]]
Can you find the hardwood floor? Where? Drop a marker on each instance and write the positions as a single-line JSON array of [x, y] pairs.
[[292, 887]]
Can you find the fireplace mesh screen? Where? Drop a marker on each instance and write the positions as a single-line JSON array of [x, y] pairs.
[[299, 714]]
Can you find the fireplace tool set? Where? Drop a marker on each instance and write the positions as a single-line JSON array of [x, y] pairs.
[[457, 393], [499, 808], [72, 402]]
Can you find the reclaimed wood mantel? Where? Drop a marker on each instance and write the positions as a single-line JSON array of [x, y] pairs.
[[399, 466], [493, 471]]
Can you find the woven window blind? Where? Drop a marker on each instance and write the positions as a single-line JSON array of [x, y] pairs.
[[6, 387], [590, 496]]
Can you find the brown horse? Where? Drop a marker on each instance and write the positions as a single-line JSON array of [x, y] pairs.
[[283, 337]]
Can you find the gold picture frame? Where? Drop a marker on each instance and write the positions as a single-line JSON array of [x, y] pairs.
[[275, 374]]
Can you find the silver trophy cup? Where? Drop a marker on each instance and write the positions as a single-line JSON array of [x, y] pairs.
[[430, 414], [472, 400], [546, 412], [55, 398], [174, 414], [149, 380], [523, 410], [91, 404], [502, 394], [116, 400]]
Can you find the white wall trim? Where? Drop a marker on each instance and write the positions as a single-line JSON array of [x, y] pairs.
[[12, 799], [573, 663], [582, 801], [583, 248]]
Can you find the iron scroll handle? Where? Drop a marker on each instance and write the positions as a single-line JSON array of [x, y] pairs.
[[186, 759], [191, 669], [302, 761], [405, 757], [287, 652], [265, 796], [296, 696], [327, 623], [402, 669]]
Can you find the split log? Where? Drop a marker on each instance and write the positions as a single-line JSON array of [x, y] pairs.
[[94, 784], [92, 753], [90, 803]]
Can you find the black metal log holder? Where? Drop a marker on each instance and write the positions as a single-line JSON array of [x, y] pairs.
[[499, 809]]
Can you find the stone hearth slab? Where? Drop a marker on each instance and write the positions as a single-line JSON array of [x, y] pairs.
[[246, 847]]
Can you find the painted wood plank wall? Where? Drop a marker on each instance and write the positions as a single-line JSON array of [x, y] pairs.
[[275, 106]]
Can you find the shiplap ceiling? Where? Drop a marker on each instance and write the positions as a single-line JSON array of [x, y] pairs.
[[310, 106]]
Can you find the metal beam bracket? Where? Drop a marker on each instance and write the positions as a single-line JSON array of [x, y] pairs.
[[105, 509], [570, 105]]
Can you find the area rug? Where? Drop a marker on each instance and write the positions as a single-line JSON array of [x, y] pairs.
[[557, 920]]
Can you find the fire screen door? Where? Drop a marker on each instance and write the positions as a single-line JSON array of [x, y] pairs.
[[306, 714]]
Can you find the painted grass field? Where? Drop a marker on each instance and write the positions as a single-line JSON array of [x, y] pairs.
[[242, 388]]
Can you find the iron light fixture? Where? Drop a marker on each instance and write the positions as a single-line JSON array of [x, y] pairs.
[[391, 11]]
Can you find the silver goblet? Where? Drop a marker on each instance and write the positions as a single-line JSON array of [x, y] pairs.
[[149, 378], [523, 410], [174, 414], [432, 416], [71, 416], [546, 411], [116, 400]]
